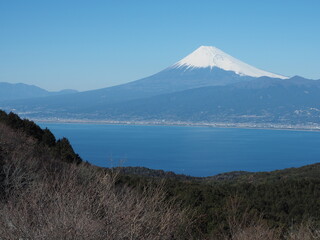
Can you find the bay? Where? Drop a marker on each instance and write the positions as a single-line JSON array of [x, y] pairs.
[[195, 151]]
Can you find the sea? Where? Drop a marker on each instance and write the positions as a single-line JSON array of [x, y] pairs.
[[194, 151]]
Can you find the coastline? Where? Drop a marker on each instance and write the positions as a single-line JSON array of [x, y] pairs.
[[262, 126]]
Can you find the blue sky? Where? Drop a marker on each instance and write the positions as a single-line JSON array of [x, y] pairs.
[[93, 44]]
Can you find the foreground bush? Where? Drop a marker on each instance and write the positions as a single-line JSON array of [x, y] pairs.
[[68, 206]]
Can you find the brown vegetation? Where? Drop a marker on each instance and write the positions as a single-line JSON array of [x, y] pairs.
[[259, 230], [246, 225]]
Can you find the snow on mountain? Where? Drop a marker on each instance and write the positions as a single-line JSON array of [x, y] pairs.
[[210, 57]]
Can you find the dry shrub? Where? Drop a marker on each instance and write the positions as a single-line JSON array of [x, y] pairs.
[[306, 231], [63, 206], [245, 225], [50, 209], [257, 231]]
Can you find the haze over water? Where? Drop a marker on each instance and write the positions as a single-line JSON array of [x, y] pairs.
[[195, 151]]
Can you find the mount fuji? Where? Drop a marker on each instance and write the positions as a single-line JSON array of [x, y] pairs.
[[208, 85], [206, 66]]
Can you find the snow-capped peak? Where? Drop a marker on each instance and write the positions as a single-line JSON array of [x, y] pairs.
[[207, 56]]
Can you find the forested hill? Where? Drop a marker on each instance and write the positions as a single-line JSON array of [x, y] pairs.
[[48, 192], [61, 148], [306, 172]]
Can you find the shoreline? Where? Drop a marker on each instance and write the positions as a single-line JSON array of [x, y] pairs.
[[186, 124]]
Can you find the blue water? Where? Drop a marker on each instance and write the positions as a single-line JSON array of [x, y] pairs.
[[196, 151]]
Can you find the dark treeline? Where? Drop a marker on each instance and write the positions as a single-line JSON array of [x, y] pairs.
[[61, 148], [71, 199], [281, 201]]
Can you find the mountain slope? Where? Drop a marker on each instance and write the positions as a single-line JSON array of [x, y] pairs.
[[296, 100], [9, 91]]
